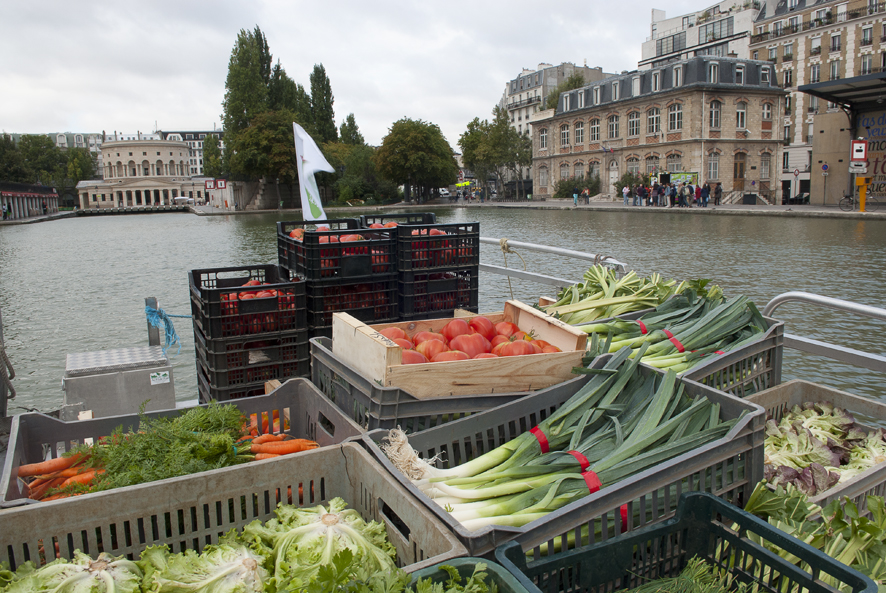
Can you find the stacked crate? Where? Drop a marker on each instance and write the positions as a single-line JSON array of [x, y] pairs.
[[250, 326], [345, 268]]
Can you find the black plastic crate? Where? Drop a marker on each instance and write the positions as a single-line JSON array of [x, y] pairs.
[[255, 373], [705, 527], [429, 295], [288, 247], [321, 255], [223, 307], [371, 301], [208, 392], [243, 352], [433, 246], [405, 218]]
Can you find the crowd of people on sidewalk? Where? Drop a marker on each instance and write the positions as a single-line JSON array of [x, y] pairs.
[[672, 195]]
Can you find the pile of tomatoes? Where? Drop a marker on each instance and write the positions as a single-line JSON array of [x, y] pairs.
[[234, 323], [379, 296], [465, 340], [330, 257]]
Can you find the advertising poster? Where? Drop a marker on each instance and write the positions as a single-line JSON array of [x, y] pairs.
[[872, 127]]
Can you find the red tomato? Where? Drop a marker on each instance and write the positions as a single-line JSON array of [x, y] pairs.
[[549, 349], [470, 344], [297, 234], [506, 328], [544, 344], [486, 355], [450, 355], [376, 225], [394, 333], [431, 348], [263, 294], [253, 283], [499, 339], [422, 336], [246, 295], [413, 357], [520, 335], [497, 348], [405, 344], [482, 326], [519, 348], [390, 225], [456, 327]]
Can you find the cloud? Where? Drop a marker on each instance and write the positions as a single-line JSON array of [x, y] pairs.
[[101, 65]]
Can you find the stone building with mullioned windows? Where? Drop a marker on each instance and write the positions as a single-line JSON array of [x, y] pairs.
[[715, 117]]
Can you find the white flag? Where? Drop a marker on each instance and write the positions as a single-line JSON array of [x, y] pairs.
[[309, 160]]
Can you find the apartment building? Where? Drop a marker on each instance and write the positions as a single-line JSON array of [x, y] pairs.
[[708, 118], [812, 41], [194, 140]]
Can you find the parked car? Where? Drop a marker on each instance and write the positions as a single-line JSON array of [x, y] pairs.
[[444, 193]]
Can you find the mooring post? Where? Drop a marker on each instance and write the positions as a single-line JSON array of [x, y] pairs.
[[153, 332]]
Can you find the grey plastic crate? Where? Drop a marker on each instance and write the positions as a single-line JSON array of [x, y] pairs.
[[372, 406], [729, 467], [504, 581], [780, 399], [193, 511], [747, 370], [35, 437]]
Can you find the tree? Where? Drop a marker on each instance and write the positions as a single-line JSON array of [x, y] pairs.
[[43, 160], [477, 151], [285, 93], [415, 152], [322, 113], [81, 165], [212, 157], [349, 132], [12, 164], [265, 148], [246, 87], [575, 81]]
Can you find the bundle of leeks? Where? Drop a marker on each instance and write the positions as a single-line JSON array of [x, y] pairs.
[[682, 331], [621, 422], [602, 295]]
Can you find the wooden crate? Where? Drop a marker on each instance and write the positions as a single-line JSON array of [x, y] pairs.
[[380, 359]]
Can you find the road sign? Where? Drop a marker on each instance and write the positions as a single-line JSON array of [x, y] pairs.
[[858, 167], [859, 151], [824, 167], [796, 172]]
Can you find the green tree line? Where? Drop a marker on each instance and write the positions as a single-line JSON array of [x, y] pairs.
[[36, 159]]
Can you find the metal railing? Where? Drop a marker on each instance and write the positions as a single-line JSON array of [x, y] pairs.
[[874, 362]]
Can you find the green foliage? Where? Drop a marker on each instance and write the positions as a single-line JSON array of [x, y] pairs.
[[265, 148], [575, 81], [246, 87], [81, 165], [285, 93], [212, 157], [322, 113], [43, 160], [349, 132], [12, 164], [631, 180], [478, 152], [415, 152], [563, 189]]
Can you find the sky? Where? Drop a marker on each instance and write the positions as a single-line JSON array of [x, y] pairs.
[[89, 66]]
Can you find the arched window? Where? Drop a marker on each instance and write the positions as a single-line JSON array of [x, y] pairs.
[[653, 121], [580, 132], [634, 166], [613, 126], [675, 163], [595, 130], [651, 165], [564, 171], [714, 119], [564, 135], [543, 176], [675, 117], [741, 115], [543, 138], [578, 170], [713, 167], [633, 123], [593, 169]]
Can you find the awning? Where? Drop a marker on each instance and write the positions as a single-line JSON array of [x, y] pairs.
[[859, 93], [12, 194]]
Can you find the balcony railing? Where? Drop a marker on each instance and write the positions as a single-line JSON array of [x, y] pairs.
[[865, 42], [787, 110], [835, 47], [834, 77], [812, 109], [814, 79], [814, 23], [815, 51], [787, 84], [787, 57], [524, 102]]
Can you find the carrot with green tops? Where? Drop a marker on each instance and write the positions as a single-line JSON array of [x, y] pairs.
[[260, 456], [285, 447], [49, 466], [267, 438], [83, 478], [40, 491]]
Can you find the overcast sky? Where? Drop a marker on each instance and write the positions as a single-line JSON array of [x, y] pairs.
[[89, 66]]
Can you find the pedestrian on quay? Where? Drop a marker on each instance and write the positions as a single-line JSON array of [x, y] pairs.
[[682, 195], [653, 198], [4, 210], [643, 195], [718, 193], [586, 194], [672, 194], [625, 192], [44, 207], [705, 194], [698, 195], [575, 196]]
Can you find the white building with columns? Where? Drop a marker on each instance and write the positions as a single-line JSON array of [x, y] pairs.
[[23, 200]]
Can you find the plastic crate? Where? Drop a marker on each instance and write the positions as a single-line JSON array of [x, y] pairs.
[[747, 370], [504, 581], [320, 255], [372, 406], [370, 301], [194, 511], [253, 386], [405, 218], [730, 467], [430, 295], [243, 352], [288, 247], [457, 247], [869, 413], [220, 313], [35, 437], [255, 373], [704, 527]]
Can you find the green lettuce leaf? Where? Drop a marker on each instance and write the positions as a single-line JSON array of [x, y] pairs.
[[228, 567], [81, 574]]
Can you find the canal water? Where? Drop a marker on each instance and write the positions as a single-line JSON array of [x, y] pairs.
[[79, 284]]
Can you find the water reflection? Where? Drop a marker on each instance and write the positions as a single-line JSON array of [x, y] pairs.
[[79, 284]]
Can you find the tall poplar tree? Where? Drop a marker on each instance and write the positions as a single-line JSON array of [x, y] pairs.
[[246, 88], [350, 133], [323, 115]]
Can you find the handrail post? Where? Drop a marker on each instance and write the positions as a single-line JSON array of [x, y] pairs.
[[817, 299], [153, 332]]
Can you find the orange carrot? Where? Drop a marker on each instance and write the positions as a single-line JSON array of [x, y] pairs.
[[38, 492], [284, 447], [265, 438], [66, 473], [61, 495], [47, 467], [260, 456], [84, 478]]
